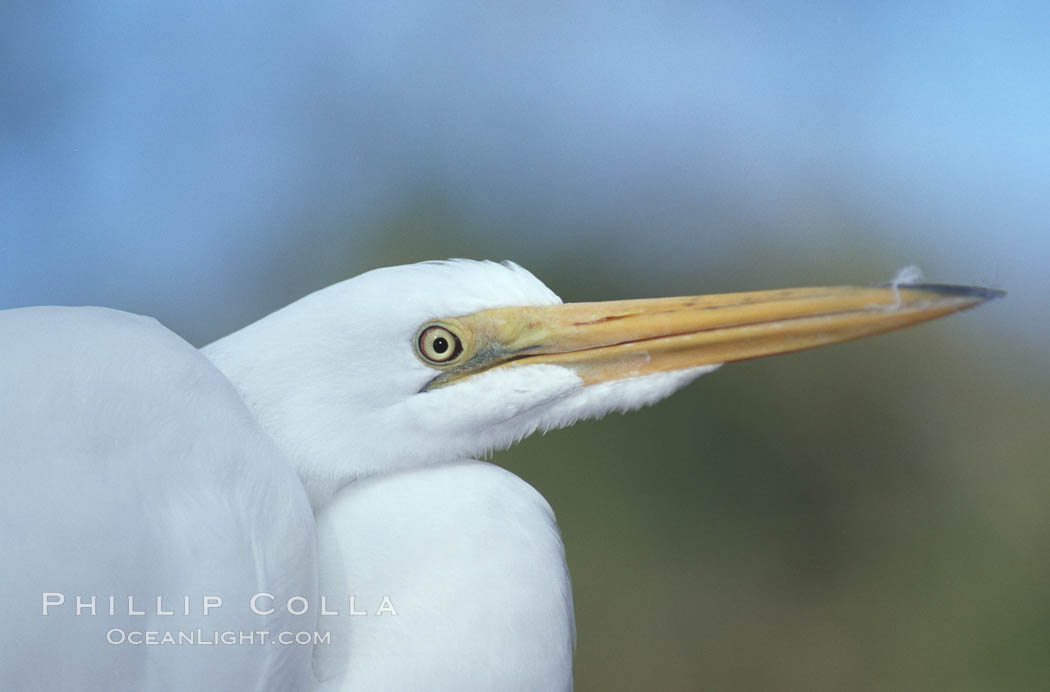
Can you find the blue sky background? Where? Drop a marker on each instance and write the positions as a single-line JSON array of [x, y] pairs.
[[178, 157]]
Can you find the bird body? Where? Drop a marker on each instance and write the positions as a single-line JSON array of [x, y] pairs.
[[136, 466], [470, 557], [131, 469]]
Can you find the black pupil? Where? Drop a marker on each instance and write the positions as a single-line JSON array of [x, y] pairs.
[[440, 344]]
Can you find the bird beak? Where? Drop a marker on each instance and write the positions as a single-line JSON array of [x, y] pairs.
[[628, 338]]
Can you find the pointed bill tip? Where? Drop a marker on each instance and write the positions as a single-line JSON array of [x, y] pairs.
[[978, 294]]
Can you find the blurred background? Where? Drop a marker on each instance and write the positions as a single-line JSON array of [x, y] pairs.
[[871, 516]]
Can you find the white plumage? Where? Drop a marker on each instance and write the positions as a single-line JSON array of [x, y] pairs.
[[131, 468], [134, 466], [470, 556]]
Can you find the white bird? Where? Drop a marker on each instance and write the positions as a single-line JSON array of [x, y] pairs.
[[142, 475]]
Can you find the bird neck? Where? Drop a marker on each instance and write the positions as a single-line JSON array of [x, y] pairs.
[[271, 364]]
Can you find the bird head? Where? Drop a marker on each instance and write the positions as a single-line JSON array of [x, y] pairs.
[[431, 362]]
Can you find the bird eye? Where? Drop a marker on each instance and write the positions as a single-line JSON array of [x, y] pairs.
[[439, 345]]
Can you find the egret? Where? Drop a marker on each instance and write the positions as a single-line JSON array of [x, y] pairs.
[[316, 472]]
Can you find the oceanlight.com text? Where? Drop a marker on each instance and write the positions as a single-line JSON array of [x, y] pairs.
[[200, 637]]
